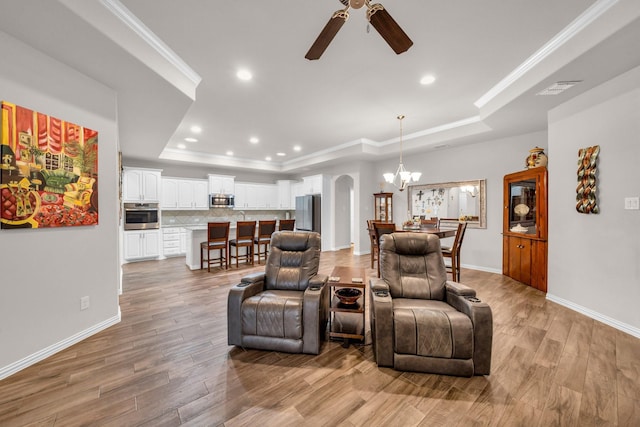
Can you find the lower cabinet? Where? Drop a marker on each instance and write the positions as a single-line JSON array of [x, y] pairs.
[[141, 244], [174, 241], [525, 260]]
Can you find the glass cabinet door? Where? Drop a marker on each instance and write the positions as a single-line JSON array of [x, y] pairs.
[[522, 206], [383, 209]]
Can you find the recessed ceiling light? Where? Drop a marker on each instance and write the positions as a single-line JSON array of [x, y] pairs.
[[254, 140], [281, 154], [268, 158], [428, 79], [297, 148], [189, 139], [229, 153], [182, 146], [196, 129], [244, 75]]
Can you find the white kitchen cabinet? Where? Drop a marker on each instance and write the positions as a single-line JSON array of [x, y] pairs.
[[169, 198], [312, 184], [172, 241], [200, 194], [256, 196], [141, 244], [241, 195], [221, 184], [284, 194], [140, 185], [185, 194]]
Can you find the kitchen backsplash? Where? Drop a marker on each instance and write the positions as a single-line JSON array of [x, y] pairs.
[[183, 218]]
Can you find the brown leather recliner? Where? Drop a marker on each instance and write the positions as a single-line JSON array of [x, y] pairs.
[[419, 320], [286, 307]]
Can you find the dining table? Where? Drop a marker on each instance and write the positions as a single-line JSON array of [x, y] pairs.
[[440, 232]]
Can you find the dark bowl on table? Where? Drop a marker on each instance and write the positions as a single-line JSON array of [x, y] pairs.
[[348, 296]]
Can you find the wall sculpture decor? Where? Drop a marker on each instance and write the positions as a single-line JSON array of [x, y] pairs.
[[586, 201], [49, 171]]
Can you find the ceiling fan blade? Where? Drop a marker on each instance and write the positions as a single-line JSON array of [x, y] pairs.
[[389, 29], [327, 34]]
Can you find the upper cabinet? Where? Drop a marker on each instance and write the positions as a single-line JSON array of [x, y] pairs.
[[140, 185], [284, 195], [312, 184], [222, 184], [185, 194], [256, 196]]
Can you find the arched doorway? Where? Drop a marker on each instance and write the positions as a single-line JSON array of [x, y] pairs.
[[344, 212]]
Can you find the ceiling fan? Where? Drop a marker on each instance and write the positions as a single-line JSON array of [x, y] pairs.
[[377, 15]]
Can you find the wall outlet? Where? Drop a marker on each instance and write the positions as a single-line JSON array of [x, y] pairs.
[[85, 302], [632, 203]]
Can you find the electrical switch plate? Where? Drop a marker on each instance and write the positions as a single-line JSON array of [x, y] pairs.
[[632, 203], [84, 303]]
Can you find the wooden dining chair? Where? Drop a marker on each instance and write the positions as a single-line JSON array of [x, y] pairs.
[[373, 241], [430, 223], [453, 252], [245, 232], [381, 228], [217, 240], [263, 240], [286, 224]]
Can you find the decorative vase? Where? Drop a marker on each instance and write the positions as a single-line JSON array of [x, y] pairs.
[[536, 158]]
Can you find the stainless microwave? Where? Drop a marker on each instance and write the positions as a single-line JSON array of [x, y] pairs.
[[141, 216], [221, 201]]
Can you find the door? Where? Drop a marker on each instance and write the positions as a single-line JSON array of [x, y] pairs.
[[519, 259]]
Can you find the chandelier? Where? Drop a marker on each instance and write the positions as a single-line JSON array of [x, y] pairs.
[[402, 176]]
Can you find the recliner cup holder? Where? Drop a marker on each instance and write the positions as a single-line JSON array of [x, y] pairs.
[[473, 299]]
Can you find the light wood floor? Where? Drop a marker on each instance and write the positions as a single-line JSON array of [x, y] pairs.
[[167, 363]]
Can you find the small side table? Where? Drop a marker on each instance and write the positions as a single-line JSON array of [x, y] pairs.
[[346, 322]]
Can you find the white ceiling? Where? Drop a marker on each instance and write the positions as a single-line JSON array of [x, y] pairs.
[[344, 105]]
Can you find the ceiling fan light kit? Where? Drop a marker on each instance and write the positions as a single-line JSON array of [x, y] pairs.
[[379, 18]]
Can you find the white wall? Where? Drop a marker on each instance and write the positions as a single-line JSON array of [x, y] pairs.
[[342, 212], [45, 272], [594, 259], [490, 160]]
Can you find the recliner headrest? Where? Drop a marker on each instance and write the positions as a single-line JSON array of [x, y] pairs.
[[297, 241]]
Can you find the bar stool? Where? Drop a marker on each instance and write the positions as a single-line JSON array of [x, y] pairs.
[[265, 230], [245, 232], [217, 239], [286, 224]]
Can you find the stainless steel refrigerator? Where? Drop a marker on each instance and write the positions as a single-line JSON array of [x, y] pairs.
[[308, 212]]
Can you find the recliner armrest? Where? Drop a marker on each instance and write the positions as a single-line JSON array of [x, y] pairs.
[[237, 294], [378, 286], [317, 282], [253, 278], [381, 322], [459, 289]]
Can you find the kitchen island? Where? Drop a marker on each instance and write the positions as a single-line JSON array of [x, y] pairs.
[[197, 234]]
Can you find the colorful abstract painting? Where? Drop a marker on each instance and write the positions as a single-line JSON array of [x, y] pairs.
[[586, 201], [49, 171]]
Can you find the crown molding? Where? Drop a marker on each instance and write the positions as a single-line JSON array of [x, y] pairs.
[[130, 20], [590, 15]]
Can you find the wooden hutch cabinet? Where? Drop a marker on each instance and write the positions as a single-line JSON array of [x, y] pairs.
[[524, 250], [383, 207]]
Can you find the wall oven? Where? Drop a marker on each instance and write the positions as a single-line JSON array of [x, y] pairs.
[[141, 216]]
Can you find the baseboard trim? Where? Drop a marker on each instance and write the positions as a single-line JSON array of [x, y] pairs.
[[57, 347], [480, 268], [621, 326]]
